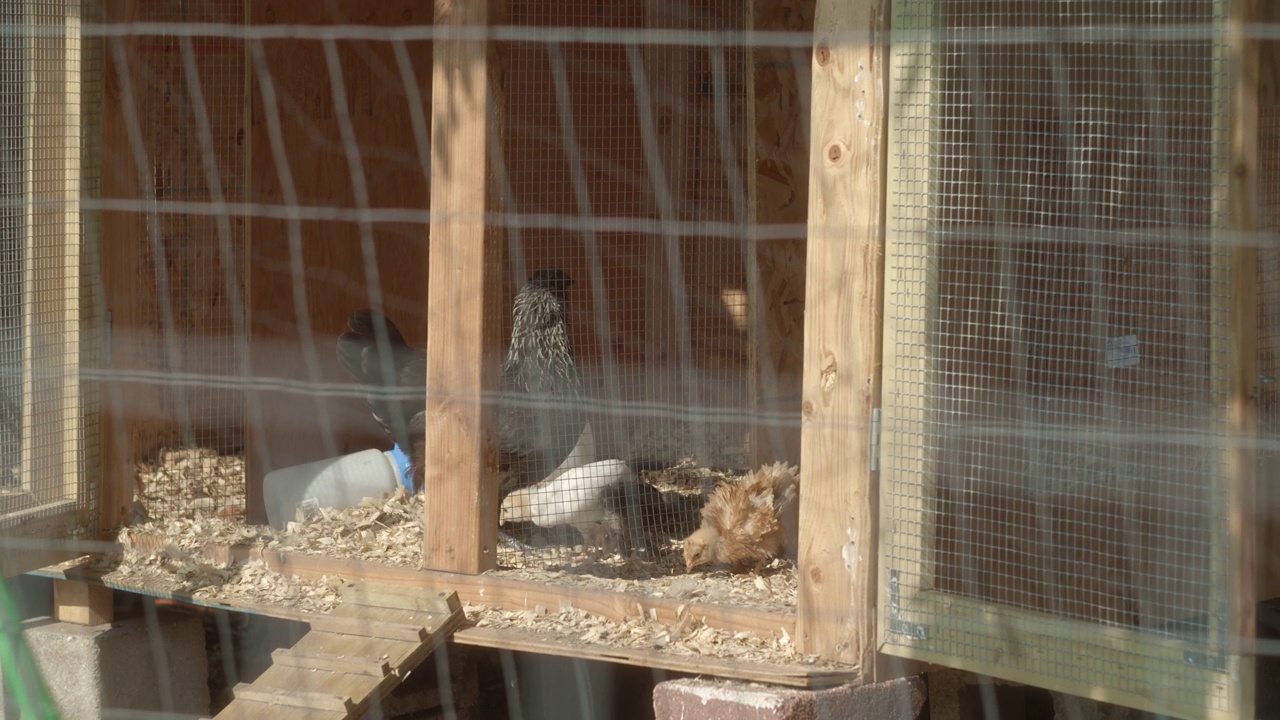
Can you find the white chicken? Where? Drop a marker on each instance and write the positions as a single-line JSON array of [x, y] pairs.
[[572, 497]]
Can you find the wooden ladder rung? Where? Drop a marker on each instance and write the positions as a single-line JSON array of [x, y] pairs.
[[367, 594], [295, 698], [366, 627], [292, 657]]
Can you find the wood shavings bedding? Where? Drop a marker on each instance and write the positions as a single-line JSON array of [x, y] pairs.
[[389, 530], [191, 483], [181, 568], [687, 636]]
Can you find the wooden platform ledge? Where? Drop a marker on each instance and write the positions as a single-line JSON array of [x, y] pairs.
[[510, 594]]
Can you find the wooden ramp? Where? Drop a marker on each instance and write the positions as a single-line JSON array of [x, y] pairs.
[[350, 657]]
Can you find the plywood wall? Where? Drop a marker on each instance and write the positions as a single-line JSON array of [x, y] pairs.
[[288, 289], [778, 175], [616, 292], [307, 278], [172, 279]]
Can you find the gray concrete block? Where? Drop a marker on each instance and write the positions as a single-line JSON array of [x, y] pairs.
[[723, 700], [127, 665]]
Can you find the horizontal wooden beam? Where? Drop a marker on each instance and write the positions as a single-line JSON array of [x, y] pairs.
[[511, 594], [519, 595], [798, 675]]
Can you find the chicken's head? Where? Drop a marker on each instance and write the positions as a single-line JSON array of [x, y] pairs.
[[700, 548]]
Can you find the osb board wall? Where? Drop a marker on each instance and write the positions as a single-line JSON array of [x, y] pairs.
[[282, 427], [1093, 529], [171, 290], [304, 288], [778, 172]]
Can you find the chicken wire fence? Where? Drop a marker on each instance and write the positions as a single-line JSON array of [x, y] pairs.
[[1056, 344]]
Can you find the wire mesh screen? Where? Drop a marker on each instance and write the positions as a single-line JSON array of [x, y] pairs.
[[13, 234], [655, 317], [271, 316], [187, 101], [47, 316], [1055, 329]]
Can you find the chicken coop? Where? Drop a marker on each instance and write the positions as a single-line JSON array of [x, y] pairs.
[[995, 277]]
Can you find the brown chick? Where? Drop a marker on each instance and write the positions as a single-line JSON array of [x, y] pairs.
[[746, 523]]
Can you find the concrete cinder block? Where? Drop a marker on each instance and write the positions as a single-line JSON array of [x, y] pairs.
[[126, 665], [723, 700]]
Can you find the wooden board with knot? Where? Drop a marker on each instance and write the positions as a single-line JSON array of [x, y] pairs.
[[352, 657]]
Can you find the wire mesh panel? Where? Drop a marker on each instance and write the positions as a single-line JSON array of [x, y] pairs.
[[640, 149], [185, 115], [47, 317], [1055, 347]]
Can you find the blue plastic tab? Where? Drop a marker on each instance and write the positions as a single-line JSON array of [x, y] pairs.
[[403, 470]]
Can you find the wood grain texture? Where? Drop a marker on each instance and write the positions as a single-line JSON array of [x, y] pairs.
[[568, 646], [522, 595], [125, 406], [843, 297], [464, 338], [1237, 266], [512, 595], [81, 603]]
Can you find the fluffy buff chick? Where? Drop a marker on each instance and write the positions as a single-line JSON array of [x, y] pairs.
[[746, 523], [574, 497]]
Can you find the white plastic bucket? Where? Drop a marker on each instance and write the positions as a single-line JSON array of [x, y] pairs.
[[339, 482]]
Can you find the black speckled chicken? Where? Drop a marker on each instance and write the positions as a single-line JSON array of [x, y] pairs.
[[392, 377], [540, 369]]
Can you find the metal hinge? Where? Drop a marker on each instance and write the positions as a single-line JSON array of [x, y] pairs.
[[875, 440], [897, 625]]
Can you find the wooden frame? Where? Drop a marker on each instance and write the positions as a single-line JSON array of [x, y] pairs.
[[920, 622], [53, 495]]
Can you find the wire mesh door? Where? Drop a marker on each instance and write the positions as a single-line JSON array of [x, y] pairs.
[[46, 328], [1055, 349]]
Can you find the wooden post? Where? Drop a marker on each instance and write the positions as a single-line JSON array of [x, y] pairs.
[[464, 340], [82, 603], [1235, 267], [843, 310], [778, 165]]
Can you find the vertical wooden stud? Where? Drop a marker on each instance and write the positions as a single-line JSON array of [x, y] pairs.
[[843, 310], [465, 294]]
